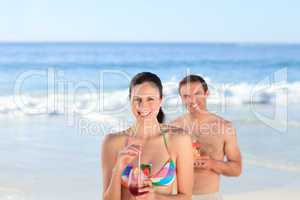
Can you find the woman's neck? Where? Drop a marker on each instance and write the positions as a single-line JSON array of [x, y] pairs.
[[146, 129]]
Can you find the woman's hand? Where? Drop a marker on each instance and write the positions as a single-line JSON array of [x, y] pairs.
[[127, 155], [150, 194]]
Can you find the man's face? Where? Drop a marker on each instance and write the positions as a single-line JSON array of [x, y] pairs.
[[193, 96]]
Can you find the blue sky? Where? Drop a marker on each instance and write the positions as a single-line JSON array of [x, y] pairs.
[[150, 20]]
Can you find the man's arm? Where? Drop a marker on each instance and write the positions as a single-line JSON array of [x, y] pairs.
[[233, 164]]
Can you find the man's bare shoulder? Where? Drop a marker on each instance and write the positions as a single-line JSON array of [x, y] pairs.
[[211, 117], [179, 121], [226, 126], [223, 125]]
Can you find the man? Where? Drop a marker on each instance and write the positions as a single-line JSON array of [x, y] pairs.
[[214, 139]]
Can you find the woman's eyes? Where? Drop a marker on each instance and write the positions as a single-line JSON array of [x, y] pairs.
[[137, 100], [140, 100]]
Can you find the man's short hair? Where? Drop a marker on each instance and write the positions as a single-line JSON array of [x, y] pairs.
[[192, 78]]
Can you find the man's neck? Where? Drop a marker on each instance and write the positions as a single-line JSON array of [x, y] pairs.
[[200, 115]]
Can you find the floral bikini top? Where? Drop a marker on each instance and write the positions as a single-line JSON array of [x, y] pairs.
[[165, 176]]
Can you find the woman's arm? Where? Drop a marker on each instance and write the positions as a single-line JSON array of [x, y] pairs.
[[110, 171], [181, 145], [114, 160]]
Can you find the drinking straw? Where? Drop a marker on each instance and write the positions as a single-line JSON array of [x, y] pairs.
[[139, 166]]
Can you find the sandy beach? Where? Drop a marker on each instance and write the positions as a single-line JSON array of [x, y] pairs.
[[274, 194]]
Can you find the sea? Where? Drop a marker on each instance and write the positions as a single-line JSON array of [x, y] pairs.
[[59, 100]]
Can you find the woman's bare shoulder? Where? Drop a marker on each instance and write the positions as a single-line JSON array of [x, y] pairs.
[[173, 130], [116, 138], [176, 134]]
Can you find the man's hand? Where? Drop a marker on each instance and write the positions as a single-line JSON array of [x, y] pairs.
[[204, 162]]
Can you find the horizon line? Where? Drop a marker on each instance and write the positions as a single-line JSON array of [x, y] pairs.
[[144, 42]]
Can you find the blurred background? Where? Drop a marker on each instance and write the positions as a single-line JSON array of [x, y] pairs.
[[65, 68]]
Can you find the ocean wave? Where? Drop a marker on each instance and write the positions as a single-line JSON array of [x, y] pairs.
[[117, 101], [13, 193]]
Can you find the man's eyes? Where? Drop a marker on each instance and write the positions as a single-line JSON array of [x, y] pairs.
[[196, 94]]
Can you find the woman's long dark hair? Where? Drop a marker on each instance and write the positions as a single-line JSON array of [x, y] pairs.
[[152, 78]]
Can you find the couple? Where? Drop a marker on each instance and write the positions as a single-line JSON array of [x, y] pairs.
[[186, 155]]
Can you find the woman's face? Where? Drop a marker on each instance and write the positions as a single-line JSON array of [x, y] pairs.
[[145, 101]]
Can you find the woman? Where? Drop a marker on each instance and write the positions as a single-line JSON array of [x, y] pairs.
[[168, 152]]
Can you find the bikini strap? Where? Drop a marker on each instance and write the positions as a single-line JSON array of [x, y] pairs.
[[163, 132]]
